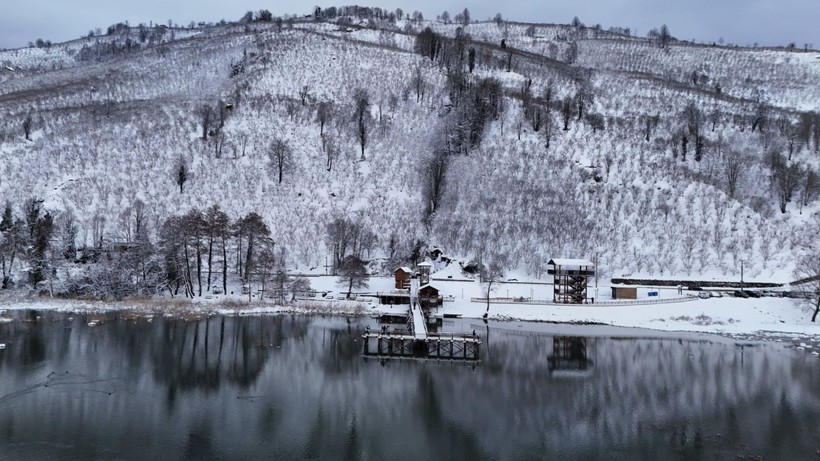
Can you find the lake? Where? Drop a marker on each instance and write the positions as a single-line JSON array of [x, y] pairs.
[[297, 387]]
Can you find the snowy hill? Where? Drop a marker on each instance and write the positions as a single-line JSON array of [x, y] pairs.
[[681, 160]]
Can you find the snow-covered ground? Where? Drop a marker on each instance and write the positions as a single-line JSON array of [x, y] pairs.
[[766, 316]]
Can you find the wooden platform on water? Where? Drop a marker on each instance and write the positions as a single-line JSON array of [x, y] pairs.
[[438, 346]]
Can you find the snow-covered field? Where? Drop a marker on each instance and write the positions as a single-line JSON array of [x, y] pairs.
[[755, 317]]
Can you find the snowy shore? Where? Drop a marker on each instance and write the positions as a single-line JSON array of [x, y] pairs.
[[724, 316]]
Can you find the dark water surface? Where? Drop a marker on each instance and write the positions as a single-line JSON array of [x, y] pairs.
[[294, 387]]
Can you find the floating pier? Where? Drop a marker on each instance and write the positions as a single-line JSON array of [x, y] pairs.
[[449, 346], [418, 342]]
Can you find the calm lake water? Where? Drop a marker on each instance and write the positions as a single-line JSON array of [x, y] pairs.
[[295, 387]]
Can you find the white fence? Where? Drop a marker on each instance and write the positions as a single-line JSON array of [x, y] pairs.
[[546, 302]]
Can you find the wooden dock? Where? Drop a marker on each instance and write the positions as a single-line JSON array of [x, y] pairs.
[[417, 341], [439, 346]]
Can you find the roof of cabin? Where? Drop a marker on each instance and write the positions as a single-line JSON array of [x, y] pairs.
[[571, 262]]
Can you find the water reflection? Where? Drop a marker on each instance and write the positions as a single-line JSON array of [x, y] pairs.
[[289, 387], [569, 354]]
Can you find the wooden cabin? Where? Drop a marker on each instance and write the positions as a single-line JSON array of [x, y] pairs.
[[403, 275], [429, 297]]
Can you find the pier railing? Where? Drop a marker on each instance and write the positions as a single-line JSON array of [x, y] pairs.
[[449, 346]]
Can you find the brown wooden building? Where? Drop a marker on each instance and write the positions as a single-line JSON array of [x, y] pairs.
[[429, 297], [624, 293], [403, 275]]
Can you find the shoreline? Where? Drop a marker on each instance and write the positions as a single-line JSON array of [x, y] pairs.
[[722, 317]]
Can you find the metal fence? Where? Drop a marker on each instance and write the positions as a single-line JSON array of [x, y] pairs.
[[546, 302]]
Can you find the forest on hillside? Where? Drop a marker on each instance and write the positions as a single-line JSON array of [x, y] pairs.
[[159, 158]]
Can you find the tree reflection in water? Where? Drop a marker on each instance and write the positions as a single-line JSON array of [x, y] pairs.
[[290, 387]]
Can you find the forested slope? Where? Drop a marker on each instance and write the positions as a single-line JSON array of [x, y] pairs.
[[369, 135]]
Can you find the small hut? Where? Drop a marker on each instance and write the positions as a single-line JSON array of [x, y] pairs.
[[429, 297], [624, 293], [403, 275]]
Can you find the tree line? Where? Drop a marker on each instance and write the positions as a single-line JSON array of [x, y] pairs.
[[194, 254]]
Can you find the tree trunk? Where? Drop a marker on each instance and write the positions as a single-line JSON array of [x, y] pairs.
[[224, 266], [199, 266], [210, 259], [489, 288], [816, 309], [189, 285]]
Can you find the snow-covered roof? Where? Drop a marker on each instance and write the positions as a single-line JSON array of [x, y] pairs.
[[405, 269], [571, 262], [427, 285], [425, 264]]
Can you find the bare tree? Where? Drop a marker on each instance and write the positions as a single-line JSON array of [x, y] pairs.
[[217, 226], [566, 112], [693, 118], [12, 243], [348, 237], [584, 96], [27, 123], [490, 274], [252, 229], [298, 285], [785, 178], [181, 172], [664, 37], [549, 125], [243, 137], [790, 132], [206, 115], [194, 227], [811, 187], [353, 273], [549, 129], [435, 172], [222, 111], [324, 112], [760, 117], [571, 53], [304, 94], [650, 123], [465, 17], [732, 167], [281, 156], [418, 83], [265, 266], [330, 146], [362, 107]]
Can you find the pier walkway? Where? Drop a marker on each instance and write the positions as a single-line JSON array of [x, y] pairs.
[[418, 326], [419, 342]]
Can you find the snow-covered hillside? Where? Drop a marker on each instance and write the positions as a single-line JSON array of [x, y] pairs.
[[671, 161]]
